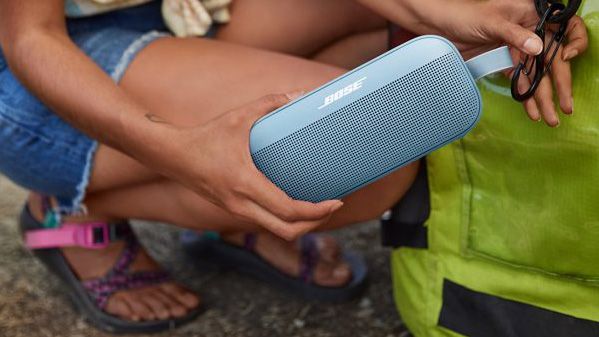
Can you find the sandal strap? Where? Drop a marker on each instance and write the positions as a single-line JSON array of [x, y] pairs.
[[52, 233], [91, 235], [309, 257], [119, 278], [249, 241], [309, 251], [128, 255], [101, 289]]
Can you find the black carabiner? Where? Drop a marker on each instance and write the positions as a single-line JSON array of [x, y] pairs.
[[540, 64], [562, 16]]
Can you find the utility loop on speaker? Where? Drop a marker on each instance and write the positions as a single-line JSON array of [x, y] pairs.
[[535, 68]]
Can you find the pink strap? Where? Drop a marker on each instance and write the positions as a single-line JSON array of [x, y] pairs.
[[94, 235]]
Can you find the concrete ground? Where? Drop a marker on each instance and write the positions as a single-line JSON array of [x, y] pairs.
[[32, 302]]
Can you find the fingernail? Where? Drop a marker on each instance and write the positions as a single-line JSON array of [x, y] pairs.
[[294, 95], [570, 55], [336, 206], [340, 272], [534, 46]]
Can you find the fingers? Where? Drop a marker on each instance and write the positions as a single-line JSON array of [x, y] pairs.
[[269, 196], [248, 194], [578, 39], [562, 79], [544, 99], [284, 229], [518, 36], [530, 105], [262, 202]]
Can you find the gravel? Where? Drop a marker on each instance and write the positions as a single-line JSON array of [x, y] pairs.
[[33, 303]]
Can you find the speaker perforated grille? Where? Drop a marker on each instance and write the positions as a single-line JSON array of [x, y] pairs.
[[369, 137]]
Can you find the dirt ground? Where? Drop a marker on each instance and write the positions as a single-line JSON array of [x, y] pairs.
[[32, 302]]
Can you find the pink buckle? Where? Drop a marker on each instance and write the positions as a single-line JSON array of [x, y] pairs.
[[93, 235]]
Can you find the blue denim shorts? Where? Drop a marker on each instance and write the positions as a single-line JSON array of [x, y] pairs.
[[38, 150]]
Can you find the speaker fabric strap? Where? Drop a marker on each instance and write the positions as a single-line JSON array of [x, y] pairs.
[[493, 61]]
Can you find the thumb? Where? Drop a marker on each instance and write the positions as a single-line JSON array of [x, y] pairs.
[[268, 103], [519, 37]]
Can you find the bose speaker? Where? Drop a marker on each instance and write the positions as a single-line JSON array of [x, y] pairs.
[[373, 120]]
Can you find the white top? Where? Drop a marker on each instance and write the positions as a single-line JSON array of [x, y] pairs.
[[182, 17], [81, 8]]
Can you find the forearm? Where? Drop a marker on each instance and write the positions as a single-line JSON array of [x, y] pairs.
[[76, 89], [418, 16]]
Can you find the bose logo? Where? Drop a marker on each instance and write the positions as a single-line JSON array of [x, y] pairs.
[[342, 93]]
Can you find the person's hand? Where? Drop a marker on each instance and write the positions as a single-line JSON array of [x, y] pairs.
[[478, 26], [474, 26], [214, 160], [541, 106], [485, 25]]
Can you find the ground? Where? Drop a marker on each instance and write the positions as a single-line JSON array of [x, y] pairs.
[[32, 302]]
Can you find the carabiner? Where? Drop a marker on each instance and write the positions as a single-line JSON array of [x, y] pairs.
[[541, 64], [563, 16]]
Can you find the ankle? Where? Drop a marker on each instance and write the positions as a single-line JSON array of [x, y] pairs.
[[234, 238], [35, 204]]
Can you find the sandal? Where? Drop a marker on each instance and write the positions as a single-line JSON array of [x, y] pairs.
[[91, 296], [208, 247]]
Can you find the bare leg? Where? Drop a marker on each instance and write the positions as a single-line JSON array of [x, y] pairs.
[[297, 27], [342, 33], [354, 50], [168, 77], [209, 69], [166, 201]]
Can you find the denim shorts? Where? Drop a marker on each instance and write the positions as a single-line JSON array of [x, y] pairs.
[[40, 151]]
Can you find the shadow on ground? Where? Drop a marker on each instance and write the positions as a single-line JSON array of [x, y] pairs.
[[32, 302]]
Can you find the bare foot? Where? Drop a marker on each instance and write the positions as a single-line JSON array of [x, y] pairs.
[[154, 302], [331, 270]]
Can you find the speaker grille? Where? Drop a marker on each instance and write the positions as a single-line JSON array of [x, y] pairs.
[[370, 137]]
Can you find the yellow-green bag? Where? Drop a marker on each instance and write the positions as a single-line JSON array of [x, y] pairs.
[[513, 232]]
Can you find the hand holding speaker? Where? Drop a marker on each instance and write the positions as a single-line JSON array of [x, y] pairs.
[[214, 161], [476, 26]]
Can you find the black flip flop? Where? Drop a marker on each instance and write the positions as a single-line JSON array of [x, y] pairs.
[[208, 248], [90, 296]]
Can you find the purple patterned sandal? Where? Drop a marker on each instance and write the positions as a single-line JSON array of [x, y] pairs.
[[209, 247], [91, 296]]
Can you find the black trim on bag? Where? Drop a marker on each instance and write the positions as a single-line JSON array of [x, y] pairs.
[[476, 314], [405, 225]]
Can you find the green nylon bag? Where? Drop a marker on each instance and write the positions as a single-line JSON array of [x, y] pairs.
[[514, 209]]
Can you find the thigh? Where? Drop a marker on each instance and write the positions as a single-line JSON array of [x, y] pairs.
[[166, 201], [190, 81], [298, 27]]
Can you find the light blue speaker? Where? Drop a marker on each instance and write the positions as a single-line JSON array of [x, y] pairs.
[[373, 120]]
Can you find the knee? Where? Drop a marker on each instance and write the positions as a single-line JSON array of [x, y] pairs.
[[372, 201]]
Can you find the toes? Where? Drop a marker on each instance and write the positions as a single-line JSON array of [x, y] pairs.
[[184, 296], [156, 304], [117, 306], [141, 311], [175, 308], [328, 248], [331, 270], [332, 275]]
